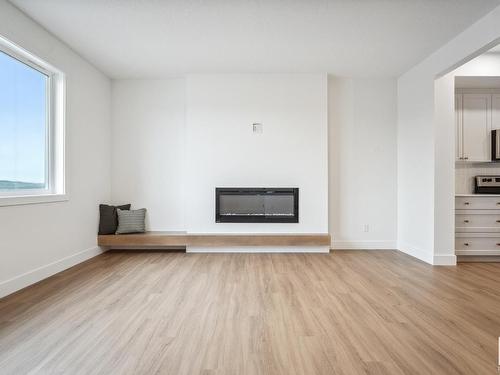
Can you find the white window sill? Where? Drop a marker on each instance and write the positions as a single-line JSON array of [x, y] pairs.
[[31, 199]]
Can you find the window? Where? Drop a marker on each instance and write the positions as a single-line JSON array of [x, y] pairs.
[[31, 127]]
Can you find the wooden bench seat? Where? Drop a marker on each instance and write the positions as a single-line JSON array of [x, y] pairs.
[[183, 239]]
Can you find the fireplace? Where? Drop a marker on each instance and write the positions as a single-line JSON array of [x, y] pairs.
[[257, 205]]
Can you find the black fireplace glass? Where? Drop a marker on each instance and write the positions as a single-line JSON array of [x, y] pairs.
[[257, 205]]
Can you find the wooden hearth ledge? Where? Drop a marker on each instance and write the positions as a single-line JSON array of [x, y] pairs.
[[181, 239]]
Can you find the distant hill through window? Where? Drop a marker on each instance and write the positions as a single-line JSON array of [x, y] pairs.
[[23, 125], [10, 185]]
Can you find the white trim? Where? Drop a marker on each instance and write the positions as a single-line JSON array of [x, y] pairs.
[[22, 281], [258, 249], [26, 57], [416, 252], [32, 199], [364, 245], [444, 260]]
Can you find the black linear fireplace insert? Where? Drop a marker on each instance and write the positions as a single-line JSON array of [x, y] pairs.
[[257, 205]]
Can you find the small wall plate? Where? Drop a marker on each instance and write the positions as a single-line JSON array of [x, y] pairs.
[[257, 128]]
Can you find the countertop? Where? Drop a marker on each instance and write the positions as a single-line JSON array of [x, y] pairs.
[[477, 195]]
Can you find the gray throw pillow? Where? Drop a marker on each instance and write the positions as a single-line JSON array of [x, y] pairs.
[[131, 221]]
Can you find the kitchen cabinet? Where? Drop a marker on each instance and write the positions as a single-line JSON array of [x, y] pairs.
[[458, 126], [477, 225], [474, 124], [495, 111]]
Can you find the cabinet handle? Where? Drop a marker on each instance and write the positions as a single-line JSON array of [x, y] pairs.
[[466, 158], [498, 244], [467, 203], [498, 203], [466, 221], [466, 244], [498, 221]]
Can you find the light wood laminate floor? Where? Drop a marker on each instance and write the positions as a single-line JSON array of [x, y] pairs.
[[351, 312]]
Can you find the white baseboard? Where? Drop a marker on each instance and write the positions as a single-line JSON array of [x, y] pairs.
[[258, 249], [444, 260], [416, 252], [22, 281], [364, 245]]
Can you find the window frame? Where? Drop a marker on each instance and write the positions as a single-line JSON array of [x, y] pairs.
[[55, 132]]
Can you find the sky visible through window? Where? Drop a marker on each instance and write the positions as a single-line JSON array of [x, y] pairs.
[[23, 119]]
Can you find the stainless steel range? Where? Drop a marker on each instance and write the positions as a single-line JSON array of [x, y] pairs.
[[487, 185]]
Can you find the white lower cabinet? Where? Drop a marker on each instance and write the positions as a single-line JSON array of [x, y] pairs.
[[472, 202], [477, 225], [474, 242], [477, 221]]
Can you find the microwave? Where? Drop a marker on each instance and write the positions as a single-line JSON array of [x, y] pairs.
[[495, 145]]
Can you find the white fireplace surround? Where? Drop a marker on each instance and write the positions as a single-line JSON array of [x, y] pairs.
[[222, 149]]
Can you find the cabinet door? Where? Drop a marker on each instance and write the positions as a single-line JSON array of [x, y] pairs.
[[458, 127], [495, 111], [476, 127]]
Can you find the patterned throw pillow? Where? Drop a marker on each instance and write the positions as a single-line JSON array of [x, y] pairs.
[[132, 221]]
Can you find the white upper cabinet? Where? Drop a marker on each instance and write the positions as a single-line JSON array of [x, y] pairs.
[[495, 111], [458, 127], [474, 127]]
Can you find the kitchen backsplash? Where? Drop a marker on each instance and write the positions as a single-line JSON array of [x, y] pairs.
[[465, 173]]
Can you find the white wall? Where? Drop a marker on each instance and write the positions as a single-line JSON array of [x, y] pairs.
[[426, 146], [221, 149], [39, 240], [148, 149], [148, 144], [149, 140], [362, 162], [445, 149]]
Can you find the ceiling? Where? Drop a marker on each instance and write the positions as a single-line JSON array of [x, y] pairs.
[[155, 38]]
